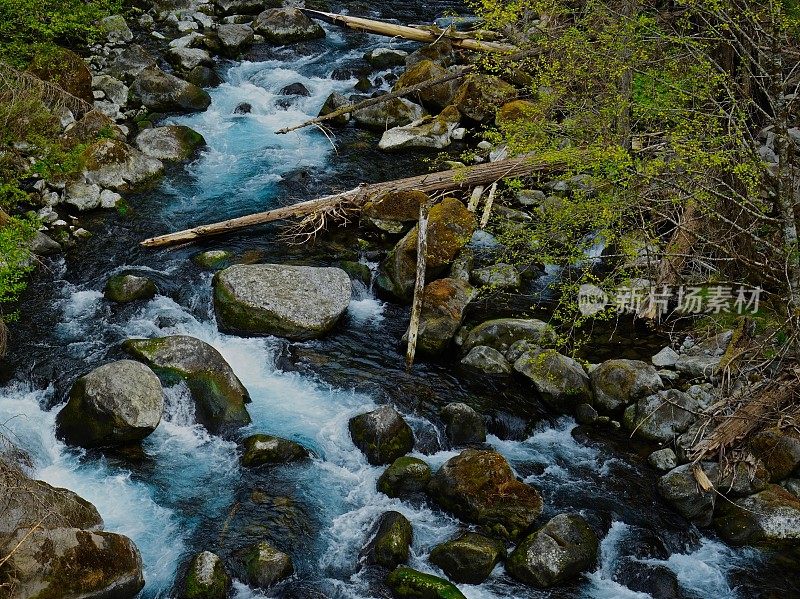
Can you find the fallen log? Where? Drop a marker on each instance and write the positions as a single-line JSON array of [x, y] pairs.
[[410, 33], [419, 284], [463, 178]]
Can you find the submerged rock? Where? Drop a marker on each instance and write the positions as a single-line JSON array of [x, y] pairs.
[[129, 288], [206, 578], [502, 333], [405, 476], [117, 403], [162, 92], [487, 359], [173, 143], [617, 383], [382, 435], [479, 486], [407, 583], [443, 304], [770, 518], [556, 553], [297, 302], [469, 558], [267, 449], [562, 383], [266, 565], [390, 542], [286, 26], [462, 425], [218, 393], [450, 227]]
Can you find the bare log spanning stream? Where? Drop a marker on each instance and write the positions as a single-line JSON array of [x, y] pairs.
[[428, 35], [464, 178]]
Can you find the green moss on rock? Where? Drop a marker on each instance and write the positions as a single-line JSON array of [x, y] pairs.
[[407, 583], [405, 476]]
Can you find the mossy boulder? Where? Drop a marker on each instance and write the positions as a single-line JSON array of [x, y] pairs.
[[259, 450], [479, 97], [65, 69], [680, 488], [173, 143], [436, 96], [502, 333], [390, 541], [212, 259], [334, 102], [297, 302], [385, 58], [382, 435], [114, 29], [469, 558], [129, 288], [778, 449], [95, 124], [618, 383], [560, 381], [462, 425], [399, 206], [163, 92], [517, 111], [218, 393], [770, 518], [554, 554], [115, 404], [407, 583], [113, 164], [286, 26], [405, 476], [266, 565], [450, 227], [358, 271], [479, 486], [73, 563], [444, 303], [206, 578]]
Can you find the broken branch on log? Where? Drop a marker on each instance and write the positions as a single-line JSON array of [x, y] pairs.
[[462, 178], [406, 32]]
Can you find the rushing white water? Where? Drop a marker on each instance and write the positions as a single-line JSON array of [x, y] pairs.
[[191, 476]]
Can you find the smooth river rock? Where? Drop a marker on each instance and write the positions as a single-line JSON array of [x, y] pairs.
[[382, 435], [297, 302], [259, 450], [407, 583], [218, 393], [115, 404], [206, 578], [469, 558], [172, 143], [129, 288], [405, 476], [390, 541]]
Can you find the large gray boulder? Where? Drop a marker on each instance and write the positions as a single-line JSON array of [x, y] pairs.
[[185, 59], [617, 383], [382, 435], [162, 92], [218, 393], [502, 333], [393, 113], [130, 62], [286, 26], [462, 425], [297, 302], [770, 518], [561, 382], [115, 165], [426, 133], [115, 404], [487, 359], [172, 143], [480, 487], [554, 554], [234, 39], [662, 416], [70, 563]]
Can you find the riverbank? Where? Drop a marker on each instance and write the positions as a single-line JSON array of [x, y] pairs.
[[186, 492]]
